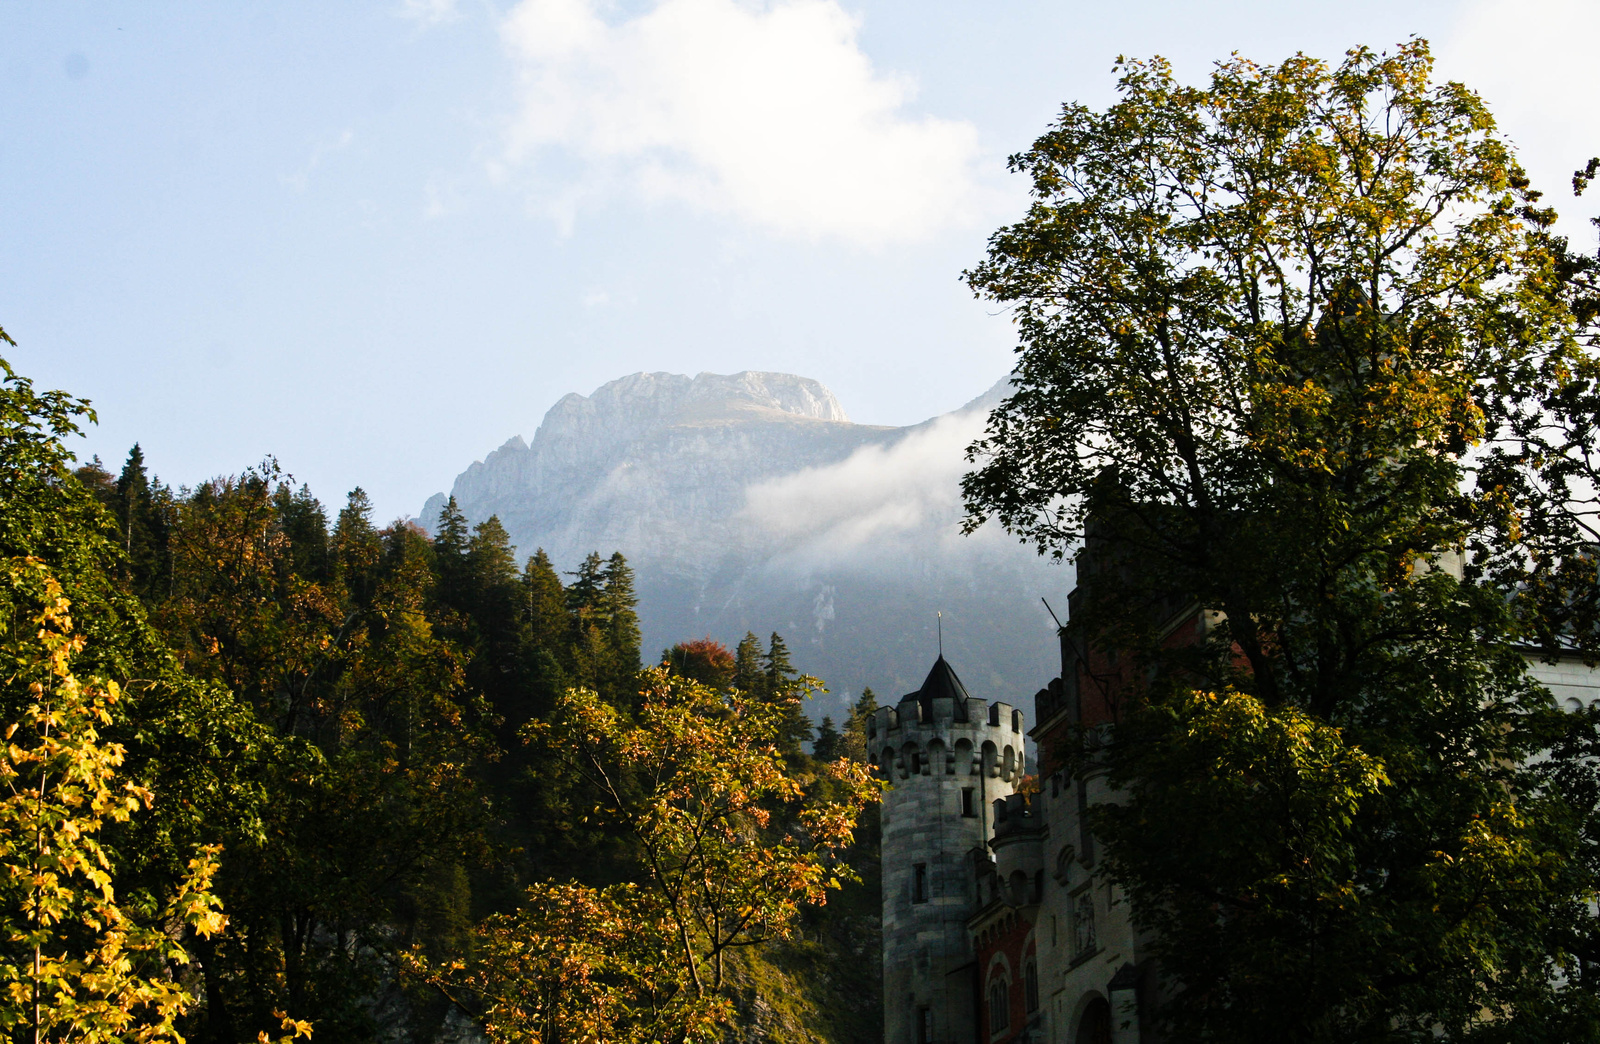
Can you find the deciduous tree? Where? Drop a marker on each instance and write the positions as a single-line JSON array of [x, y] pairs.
[[733, 846], [1271, 331], [77, 963]]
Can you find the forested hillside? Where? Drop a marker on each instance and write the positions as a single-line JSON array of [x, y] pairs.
[[347, 717]]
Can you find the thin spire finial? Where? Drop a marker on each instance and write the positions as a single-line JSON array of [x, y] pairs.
[[940, 616]]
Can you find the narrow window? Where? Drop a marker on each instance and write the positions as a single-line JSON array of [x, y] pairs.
[[1030, 985], [969, 802], [994, 714], [999, 1005], [1016, 721], [919, 883], [1038, 886], [872, 727], [924, 1025]]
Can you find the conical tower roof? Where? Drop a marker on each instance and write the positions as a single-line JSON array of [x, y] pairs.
[[942, 681]]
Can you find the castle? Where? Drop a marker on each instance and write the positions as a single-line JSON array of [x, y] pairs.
[[995, 929]]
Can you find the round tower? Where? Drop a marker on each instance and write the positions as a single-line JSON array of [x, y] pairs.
[[947, 758]]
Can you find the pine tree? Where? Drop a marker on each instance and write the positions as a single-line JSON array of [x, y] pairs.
[[491, 560], [357, 547], [782, 685], [303, 521], [776, 664], [544, 603], [749, 673], [853, 741], [829, 740], [133, 495], [583, 594], [450, 552], [618, 602], [142, 529]]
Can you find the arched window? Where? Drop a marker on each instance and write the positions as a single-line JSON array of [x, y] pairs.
[[999, 1006], [1030, 985]]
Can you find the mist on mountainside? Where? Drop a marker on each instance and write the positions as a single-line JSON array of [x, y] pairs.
[[750, 502]]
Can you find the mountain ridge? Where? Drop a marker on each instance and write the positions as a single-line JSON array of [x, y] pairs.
[[750, 501]]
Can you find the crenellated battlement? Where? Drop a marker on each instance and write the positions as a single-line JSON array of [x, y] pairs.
[[945, 735]]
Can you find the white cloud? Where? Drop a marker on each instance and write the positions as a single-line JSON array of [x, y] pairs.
[[1533, 62], [768, 111], [429, 12], [880, 505]]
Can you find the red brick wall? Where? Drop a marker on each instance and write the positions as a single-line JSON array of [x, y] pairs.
[[1017, 943]]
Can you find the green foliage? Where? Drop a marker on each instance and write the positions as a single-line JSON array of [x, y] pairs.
[[732, 847], [328, 712], [191, 743], [576, 965], [1282, 342], [76, 963]]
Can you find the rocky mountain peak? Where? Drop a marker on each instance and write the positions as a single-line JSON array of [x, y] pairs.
[[632, 406]]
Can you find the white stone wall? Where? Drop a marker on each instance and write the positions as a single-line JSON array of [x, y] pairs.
[[1573, 685]]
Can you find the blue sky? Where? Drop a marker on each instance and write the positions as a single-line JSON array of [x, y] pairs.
[[376, 239]]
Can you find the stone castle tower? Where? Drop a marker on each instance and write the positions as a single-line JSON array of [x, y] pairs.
[[948, 758]]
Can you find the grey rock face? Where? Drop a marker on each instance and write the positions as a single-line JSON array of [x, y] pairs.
[[751, 502]]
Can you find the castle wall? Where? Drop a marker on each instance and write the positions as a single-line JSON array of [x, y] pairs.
[[945, 773]]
